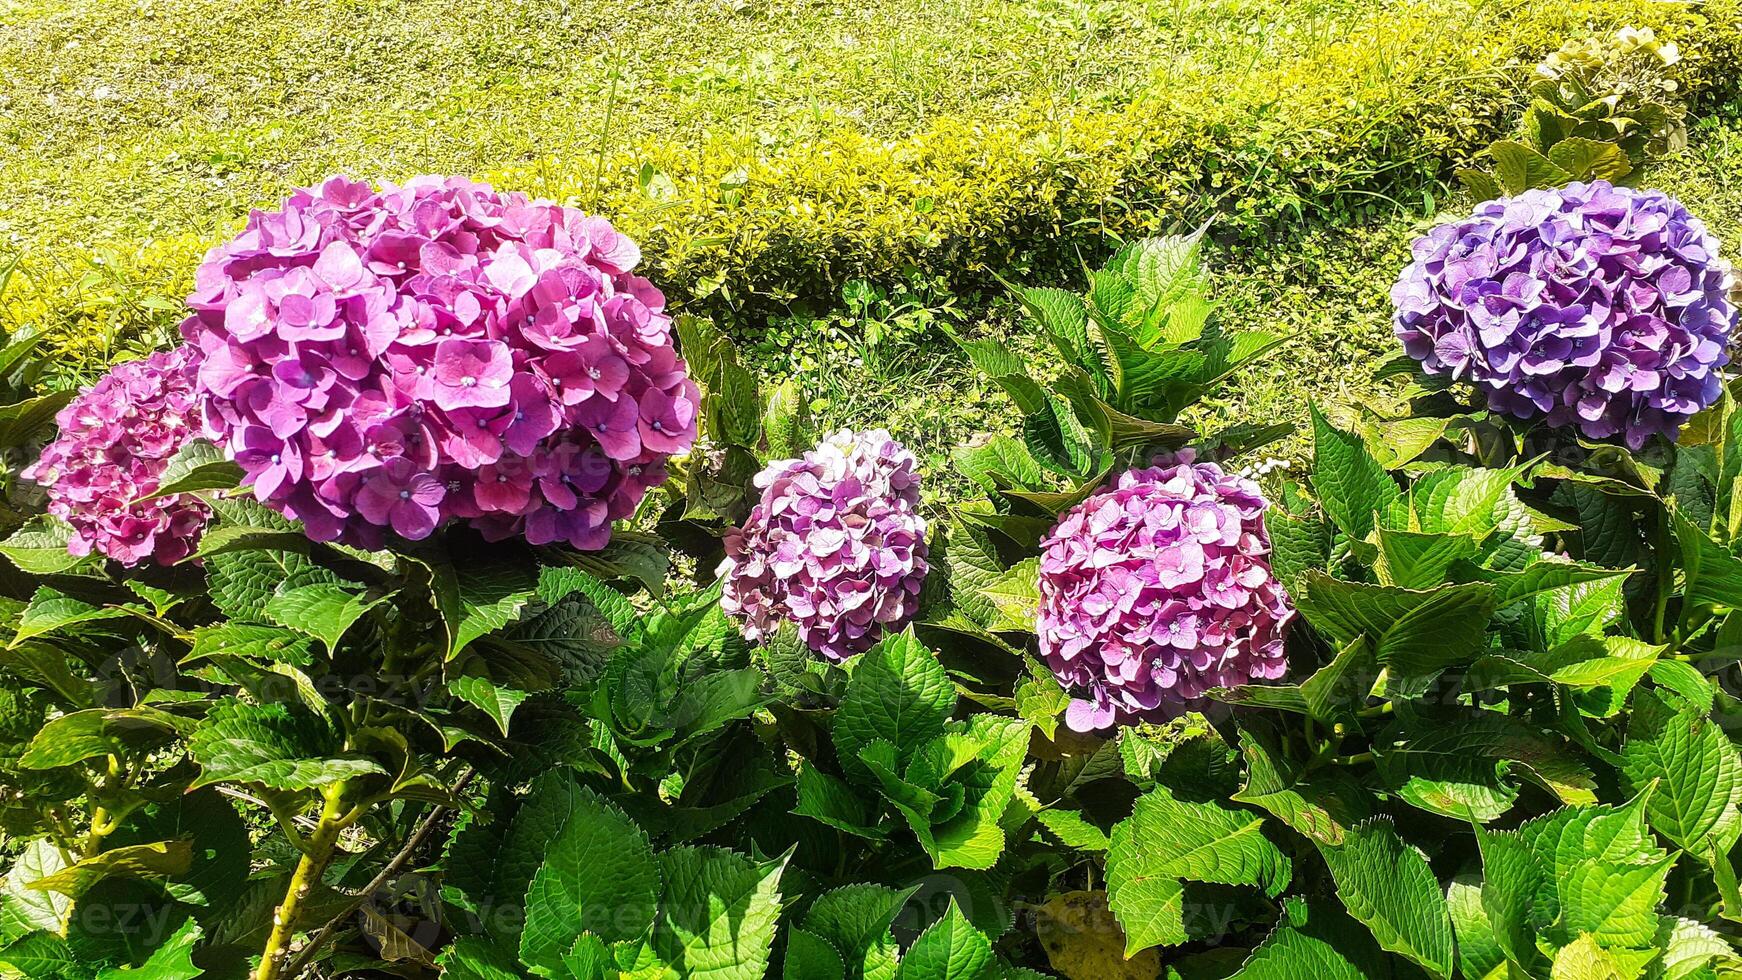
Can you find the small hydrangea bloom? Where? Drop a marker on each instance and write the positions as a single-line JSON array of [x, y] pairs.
[[116, 439], [396, 359], [1157, 589], [835, 546], [1600, 307]]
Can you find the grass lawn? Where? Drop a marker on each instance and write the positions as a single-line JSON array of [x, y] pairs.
[[134, 132]]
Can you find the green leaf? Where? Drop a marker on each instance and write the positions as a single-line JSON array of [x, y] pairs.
[[491, 595], [41, 954], [1583, 959], [1319, 804], [1455, 762], [40, 547], [855, 920], [1520, 168], [1166, 840], [1388, 885], [268, 643], [599, 876], [974, 768], [950, 949], [1072, 830], [1015, 595], [197, 466], [93, 732], [1713, 574], [1686, 681], [1314, 941], [1350, 483], [497, 702], [1298, 545], [51, 610], [25, 909], [163, 859], [217, 873], [1416, 634], [1588, 159], [1594, 870], [21, 421], [323, 610], [898, 693], [1479, 952], [811, 957], [1419, 560], [1695, 767], [717, 913], [1481, 186], [277, 746], [477, 958], [828, 800]]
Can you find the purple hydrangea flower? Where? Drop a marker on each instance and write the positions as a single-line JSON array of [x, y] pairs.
[[435, 351], [1595, 306], [836, 545], [1156, 590], [116, 439]]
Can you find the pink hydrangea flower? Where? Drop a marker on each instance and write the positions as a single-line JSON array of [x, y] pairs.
[[436, 350], [116, 439], [1157, 589], [835, 546]]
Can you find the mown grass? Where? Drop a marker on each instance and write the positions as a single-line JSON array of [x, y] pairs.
[[133, 134]]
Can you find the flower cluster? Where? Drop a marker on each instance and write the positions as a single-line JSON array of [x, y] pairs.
[[116, 439], [1597, 306], [835, 545], [437, 350], [1157, 589]]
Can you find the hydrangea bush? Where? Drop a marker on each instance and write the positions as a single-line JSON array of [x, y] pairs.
[[1157, 589], [116, 440], [835, 545], [1591, 306], [1431, 704], [437, 350]]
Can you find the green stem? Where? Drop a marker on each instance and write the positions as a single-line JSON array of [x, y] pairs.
[[308, 874], [1665, 578], [1354, 760]]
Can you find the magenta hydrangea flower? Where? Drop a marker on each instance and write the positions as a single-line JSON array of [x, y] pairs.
[[116, 439], [1600, 307], [1157, 589], [395, 359], [835, 546]]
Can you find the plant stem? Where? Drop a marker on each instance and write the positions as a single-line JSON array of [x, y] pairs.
[[1665, 577], [393, 867], [308, 874]]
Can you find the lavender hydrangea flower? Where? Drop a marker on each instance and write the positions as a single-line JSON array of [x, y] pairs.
[[435, 351], [1157, 589], [116, 440], [1594, 306], [836, 546]]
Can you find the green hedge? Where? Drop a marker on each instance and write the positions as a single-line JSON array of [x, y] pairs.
[[1371, 122], [1349, 130]]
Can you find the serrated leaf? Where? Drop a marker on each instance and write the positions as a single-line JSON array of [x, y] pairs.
[[599, 876], [323, 610], [277, 746], [24, 909], [1587, 159], [1072, 830], [1321, 805], [1519, 168], [1166, 840], [898, 693], [477, 958], [1387, 885], [1696, 769], [1015, 594], [1479, 952], [1416, 634], [197, 466], [51, 610], [717, 913], [950, 949], [855, 920], [159, 860], [1314, 941], [1350, 483], [496, 701], [268, 643], [173, 960], [40, 547]]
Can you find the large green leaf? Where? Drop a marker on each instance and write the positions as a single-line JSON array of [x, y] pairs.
[[1387, 884], [40, 547], [24, 909], [197, 466], [950, 949], [1696, 770], [717, 913], [278, 746], [163, 859], [899, 694], [323, 610], [1416, 634], [599, 876], [1350, 483], [1315, 941], [855, 920], [1166, 840]]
